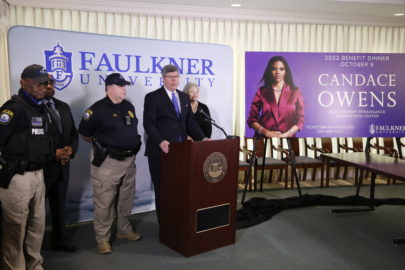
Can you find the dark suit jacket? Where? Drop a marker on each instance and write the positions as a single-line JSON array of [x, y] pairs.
[[55, 171], [205, 126], [161, 122]]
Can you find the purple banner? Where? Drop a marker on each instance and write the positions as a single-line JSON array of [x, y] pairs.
[[335, 94]]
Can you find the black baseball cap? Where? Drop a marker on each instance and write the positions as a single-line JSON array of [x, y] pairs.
[[36, 72], [117, 79]]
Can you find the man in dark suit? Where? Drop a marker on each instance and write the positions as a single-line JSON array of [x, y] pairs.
[[56, 172], [167, 118]]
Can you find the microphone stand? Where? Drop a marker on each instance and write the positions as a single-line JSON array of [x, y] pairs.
[[212, 121], [220, 128]]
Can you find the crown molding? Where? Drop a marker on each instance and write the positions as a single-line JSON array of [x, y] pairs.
[[208, 12]]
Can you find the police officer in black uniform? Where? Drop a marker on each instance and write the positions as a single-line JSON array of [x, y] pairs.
[[25, 148], [111, 125]]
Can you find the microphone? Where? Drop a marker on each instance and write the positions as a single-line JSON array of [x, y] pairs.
[[207, 117]]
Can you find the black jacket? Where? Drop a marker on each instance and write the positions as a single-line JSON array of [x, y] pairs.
[[161, 122], [55, 171]]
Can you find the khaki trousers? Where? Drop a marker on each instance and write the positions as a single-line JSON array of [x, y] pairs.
[[113, 195], [22, 222]]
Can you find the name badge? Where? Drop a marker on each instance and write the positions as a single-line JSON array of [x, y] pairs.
[[127, 120], [36, 122], [37, 131]]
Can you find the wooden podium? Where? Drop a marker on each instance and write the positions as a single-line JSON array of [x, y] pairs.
[[198, 194]]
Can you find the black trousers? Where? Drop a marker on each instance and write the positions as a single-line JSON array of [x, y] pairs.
[[154, 169], [56, 194]]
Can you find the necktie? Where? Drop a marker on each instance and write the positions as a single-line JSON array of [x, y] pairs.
[[176, 104], [55, 115]]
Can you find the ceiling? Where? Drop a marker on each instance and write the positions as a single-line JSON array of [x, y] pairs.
[[360, 11], [337, 7]]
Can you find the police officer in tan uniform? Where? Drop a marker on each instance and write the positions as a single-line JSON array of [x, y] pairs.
[[111, 125], [25, 148]]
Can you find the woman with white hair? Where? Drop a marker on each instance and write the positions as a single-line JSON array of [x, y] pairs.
[[198, 108]]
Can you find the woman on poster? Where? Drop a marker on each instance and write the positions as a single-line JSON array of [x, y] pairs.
[[277, 109]]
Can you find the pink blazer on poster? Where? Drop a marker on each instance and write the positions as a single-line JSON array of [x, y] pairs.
[[289, 111]]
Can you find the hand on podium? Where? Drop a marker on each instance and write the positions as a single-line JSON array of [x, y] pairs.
[[164, 145]]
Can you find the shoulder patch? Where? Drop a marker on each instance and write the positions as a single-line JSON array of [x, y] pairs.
[[6, 116], [87, 114]]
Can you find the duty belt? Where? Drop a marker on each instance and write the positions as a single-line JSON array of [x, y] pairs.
[[120, 154], [21, 165], [34, 166]]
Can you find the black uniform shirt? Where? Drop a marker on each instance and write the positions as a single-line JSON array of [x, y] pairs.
[[113, 125], [13, 118], [24, 131]]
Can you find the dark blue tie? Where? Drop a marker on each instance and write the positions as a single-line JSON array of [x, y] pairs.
[[176, 104], [176, 107], [55, 115]]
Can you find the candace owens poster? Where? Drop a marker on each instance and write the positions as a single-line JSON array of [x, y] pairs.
[[326, 94], [80, 62]]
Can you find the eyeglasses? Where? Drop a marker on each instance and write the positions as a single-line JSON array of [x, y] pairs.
[[172, 77], [42, 83], [46, 83]]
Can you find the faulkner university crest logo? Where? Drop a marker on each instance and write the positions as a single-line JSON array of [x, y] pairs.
[[59, 64], [215, 167]]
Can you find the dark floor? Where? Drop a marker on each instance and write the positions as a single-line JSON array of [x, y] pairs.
[[302, 238]]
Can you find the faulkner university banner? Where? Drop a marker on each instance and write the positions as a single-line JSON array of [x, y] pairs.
[[79, 63]]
